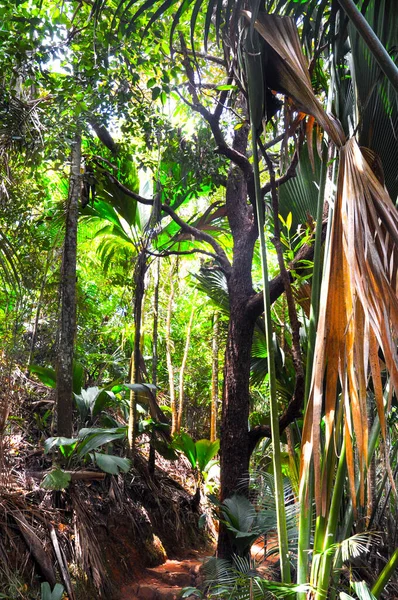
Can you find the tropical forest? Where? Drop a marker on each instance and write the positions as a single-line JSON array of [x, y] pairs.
[[198, 299]]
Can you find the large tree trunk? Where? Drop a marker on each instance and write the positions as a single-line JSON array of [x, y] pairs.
[[67, 323], [234, 439]]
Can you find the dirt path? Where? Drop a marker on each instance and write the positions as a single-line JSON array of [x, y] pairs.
[[166, 581]]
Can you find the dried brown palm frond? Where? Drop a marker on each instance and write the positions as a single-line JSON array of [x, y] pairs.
[[360, 316], [5, 407], [287, 69], [88, 550], [359, 304]]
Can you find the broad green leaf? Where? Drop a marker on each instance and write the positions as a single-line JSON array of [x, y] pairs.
[[191, 591], [205, 451], [78, 376], [58, 442], [91, 401], [185, 443], [97, 439], [165, 450], [47, 594], [362, 590], [56, 480], [45, 374], [140, 387], [85, 431], [238, 512], [226, 87], [202, 521], [112, 464]]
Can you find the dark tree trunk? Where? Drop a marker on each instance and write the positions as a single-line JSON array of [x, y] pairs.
[[234, 447], [67, 323]]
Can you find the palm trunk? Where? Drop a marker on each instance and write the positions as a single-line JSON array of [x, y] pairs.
[[67, 324], [174, 416], [183, 365], [214, 379], [136, 354]]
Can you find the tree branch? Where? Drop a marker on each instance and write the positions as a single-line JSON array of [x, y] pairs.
[[215, 59], [181, 253], [292, 412], [213, 119], [104, 136], [199, 235], [291, 172], [255, 306]]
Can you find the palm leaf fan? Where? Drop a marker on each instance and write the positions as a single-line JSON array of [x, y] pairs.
[[287, 70], [213, 283], [299, 195], [20, 125], [359, 316], [9, 265]]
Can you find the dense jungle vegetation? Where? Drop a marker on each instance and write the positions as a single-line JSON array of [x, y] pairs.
[[198, 297]]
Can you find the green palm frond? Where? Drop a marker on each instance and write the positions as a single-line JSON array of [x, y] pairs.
[[9, 265], [20, 125], [299, 195], [377, 102], [240, 580], [213, 283], [262, 489], [358, 545], [219, 16]]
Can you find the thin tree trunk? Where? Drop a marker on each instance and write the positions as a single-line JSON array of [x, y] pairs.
[[135, 376], [67, 324], [50, 258], [170, 369], [183, 365], [214, 378], [151, 458]]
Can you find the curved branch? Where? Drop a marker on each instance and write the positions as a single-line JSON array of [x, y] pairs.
[[181, 253], [199, 235], [292, 412], [255, 306]]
